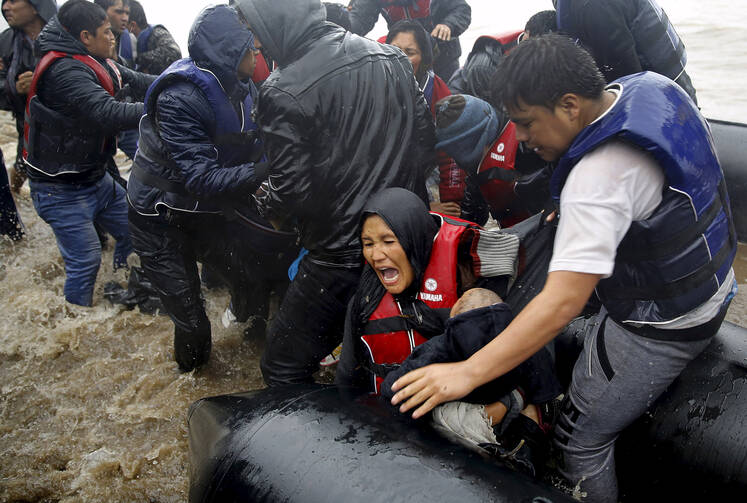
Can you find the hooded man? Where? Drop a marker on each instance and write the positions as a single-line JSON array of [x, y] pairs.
[[193, 171], [72, 119], [342, 117], [25, 18]]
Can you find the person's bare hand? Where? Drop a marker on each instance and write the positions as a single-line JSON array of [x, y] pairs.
[[551, 216], [442, 32], [451, 208], [23, 83], [429, 386]]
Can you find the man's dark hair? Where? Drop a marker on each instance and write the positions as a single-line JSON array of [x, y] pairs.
[[105, 4], [542, 23], [137, 14], [421, 37], [542, 69], [78, 15], [338, 14]]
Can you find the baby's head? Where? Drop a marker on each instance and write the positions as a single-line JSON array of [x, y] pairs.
[[475, 299]]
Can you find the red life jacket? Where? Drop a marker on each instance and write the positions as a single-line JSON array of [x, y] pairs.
[[497, 176], [396, 10], [508, 40], [386, 337], [98, 69], [261, 70]]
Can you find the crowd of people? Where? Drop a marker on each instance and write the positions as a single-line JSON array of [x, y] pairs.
[[354, 179]]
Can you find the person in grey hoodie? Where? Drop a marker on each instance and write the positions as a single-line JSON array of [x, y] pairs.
[[25, 18], [342, 118]]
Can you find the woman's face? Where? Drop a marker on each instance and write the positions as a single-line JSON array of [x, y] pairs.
[[407, 43], [385, 255]]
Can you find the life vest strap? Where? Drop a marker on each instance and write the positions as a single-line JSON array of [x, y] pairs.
[[396, 323]]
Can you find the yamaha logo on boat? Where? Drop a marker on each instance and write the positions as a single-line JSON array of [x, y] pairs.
[[431, 285]]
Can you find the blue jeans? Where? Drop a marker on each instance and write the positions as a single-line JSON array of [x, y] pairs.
[[71, 211], [127, 142]]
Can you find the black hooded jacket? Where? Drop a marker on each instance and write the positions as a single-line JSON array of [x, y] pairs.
[[17, 53], [71, 89], [341, 118]]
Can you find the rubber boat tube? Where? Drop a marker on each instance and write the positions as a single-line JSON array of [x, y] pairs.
[[731, 147], [316, 443]]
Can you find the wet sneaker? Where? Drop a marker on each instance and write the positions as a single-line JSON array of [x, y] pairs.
[[333, 358], [468, 421]]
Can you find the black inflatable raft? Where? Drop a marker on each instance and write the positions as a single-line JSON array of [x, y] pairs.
[[319, 444]]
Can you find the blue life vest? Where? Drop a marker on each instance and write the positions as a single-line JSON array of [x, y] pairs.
[[675, 260], [126, 52], [143, 39], [153, 166]]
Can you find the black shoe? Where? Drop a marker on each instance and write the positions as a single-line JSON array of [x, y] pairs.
[[523, 446], [191, 349]]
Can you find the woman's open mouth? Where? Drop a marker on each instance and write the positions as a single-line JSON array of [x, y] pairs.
[[389, 275]]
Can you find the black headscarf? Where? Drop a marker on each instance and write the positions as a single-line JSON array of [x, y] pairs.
[[415, 228]]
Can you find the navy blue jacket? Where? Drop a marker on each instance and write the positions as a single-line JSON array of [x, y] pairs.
[[624, 36], [194, 153]]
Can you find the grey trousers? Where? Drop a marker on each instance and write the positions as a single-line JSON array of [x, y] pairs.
[[616, 378]]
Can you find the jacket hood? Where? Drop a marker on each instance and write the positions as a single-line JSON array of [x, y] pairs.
[[218, 41], [407, 216], [282, 26], [55, 38], [46, 9]]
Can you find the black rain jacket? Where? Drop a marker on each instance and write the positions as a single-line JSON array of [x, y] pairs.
[[72, 90], [341, 119], [159, 52]]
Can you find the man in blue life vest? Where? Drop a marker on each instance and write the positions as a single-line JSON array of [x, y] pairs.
[[72, 119], [644, 220], [192, 180], [156, 48]]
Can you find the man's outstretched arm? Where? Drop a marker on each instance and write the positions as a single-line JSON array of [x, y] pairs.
[[562, 299]]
